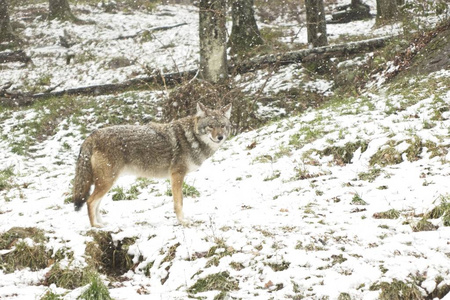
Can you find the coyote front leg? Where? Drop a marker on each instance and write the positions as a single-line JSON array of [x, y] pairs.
[[177, 178]]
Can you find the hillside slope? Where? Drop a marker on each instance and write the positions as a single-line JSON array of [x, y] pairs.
[[347, 201]]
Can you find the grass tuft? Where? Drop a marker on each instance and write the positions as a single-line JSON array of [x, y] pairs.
[[67, 278], [6, 176], [344, 154], [357, 200], [219, 281], [97, 289], [188, 191], [389, 214], [441, 211], [24, 255], [399, 290]]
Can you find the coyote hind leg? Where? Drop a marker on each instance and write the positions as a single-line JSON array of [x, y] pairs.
[[93, 204], [177, 178]]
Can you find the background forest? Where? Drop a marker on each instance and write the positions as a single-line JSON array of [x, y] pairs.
[[334, 184]]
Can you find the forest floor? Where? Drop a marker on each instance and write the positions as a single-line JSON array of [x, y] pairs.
[[340, 189]]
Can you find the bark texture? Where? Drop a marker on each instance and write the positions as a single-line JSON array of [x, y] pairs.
[[315, 23], [213, 58], [244, 32], [60, 9], [387, 11], [6, 32]]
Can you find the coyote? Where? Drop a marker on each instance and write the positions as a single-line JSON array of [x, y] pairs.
[[155, 150]]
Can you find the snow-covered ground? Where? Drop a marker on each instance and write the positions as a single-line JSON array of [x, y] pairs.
[[283, 219]]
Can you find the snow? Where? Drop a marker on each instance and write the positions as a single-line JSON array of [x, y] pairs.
[[252, 199]]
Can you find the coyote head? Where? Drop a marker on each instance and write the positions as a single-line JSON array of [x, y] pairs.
[[213, 126]]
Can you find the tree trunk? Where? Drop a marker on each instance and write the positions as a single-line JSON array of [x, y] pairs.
[[387, 12], [315, 23], [60, 9], [213, 56], [6, 32], [244, 32]]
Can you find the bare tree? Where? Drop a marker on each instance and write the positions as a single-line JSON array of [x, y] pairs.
[[244, 32], [6, 32], [387, 11], [213, 57], [315, 23], [60, 9]]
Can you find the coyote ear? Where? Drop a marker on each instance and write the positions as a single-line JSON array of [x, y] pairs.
[[201, 110], [226, 110]]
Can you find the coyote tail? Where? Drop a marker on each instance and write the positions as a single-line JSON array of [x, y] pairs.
[[83, 175]]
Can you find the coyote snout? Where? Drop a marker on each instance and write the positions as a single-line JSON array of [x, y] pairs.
[[154, 150]]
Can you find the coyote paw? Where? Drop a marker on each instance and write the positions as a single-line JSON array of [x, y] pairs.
[[185, 222], [97, 225]]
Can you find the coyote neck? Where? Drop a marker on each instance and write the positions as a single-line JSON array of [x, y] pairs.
[[188, 144]]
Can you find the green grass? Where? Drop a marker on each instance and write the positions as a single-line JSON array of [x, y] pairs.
[[188, 191], [6, 176], [441, 211], [120, 194], [9, 238], [344, 154], [67, 278], [97, 289], [219, 281], [306, 135], [424, 225], [357, 200], [35, 257], [370, 175], [385, 156], [51, 112], [277, 267], [399, 290], [49, 295], [389, 214]]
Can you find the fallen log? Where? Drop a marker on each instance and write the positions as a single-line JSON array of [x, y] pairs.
[[12, 56], [260, 62], [22, 99], [159, 28], [297, 56]]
